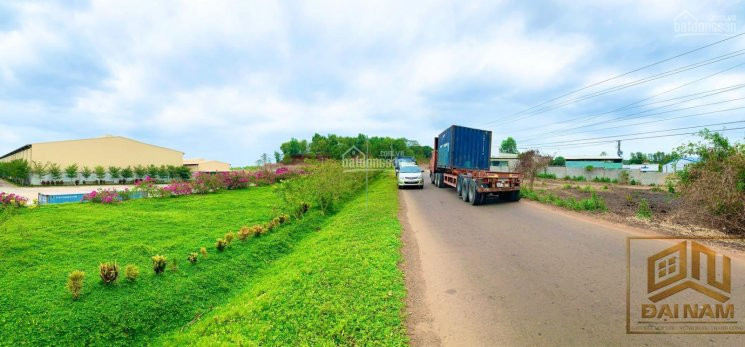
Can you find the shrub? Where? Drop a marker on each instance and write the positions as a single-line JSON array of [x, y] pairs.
[[244, 233], [221, 244], [304, 206], [206, 183], [12, 200], [192, 257], [644, 211], [546, 175], [325, 184], [178, 188], [259, 230], [283, 218], [103, 196], [203, 250], [75, 283], [633, 182], [567, 186], [159, 263], [229, 236], [589, 168], [131, 272], [109, 272], [602, 179]]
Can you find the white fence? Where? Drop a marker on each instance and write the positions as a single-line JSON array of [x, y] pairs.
[[646, 178]]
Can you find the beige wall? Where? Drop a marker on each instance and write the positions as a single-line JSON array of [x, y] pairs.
[[25, 154], [105, 151], [210, 166]]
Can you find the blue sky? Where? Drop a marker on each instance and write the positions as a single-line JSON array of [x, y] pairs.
[[232, 80]]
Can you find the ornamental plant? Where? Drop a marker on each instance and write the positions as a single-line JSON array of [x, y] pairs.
[[109, 272], [229, 236], [12, 200], [192, 257], [221, 244], [131, 272], [75, 283], [258, 230], [159, 263], [178, 188], [103, 196], [244, 233]]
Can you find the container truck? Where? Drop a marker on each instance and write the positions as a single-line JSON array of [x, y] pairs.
[[461, 159]]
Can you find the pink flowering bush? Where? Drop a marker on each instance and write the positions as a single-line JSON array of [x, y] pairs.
[[12, 200], [178, 188], [207, 183], [103, 196], [235, 179]]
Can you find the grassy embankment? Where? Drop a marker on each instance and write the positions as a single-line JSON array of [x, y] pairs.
[[42, 246], [341, 286]]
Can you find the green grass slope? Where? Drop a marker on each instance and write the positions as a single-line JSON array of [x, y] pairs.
[[341, 286], [40, 247]]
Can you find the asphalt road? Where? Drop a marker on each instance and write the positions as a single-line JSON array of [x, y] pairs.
[[517, 274]]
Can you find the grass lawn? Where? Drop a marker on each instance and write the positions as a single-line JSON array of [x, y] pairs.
[[341, 286], [41, 246]]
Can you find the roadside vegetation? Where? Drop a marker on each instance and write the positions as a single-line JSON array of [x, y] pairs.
[[593, 203], [341, 286], [127, 273]]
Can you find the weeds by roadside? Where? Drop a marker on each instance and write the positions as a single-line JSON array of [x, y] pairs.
[[594, 203]]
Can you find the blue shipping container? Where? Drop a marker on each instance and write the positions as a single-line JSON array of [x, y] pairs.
[[464, 148]]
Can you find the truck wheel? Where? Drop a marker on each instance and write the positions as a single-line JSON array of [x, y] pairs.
[[440, 180], [473, 195], [432, 177], [464, 188]]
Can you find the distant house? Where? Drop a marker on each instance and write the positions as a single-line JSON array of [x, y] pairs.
[[504, 162], [678, 165], [651, 167], [606, 162], [203, 165]]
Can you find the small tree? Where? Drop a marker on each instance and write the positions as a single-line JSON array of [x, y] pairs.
[[277, 157], [558, 161], [152, 171], [530, 163], [71, 171], [100, 173], [140, 171], [55, 171], [86, 172], [39, 169], [127, 173], [509, 145], [115, 172], [163, 172]]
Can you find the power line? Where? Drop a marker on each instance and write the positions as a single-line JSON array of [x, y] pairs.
[[658, 120], [627, 85], [650, 97], [628, 107], [624, 74], [632, 134], [633, 138], [641, 115]]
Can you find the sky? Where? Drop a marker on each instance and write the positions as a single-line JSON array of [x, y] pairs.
[[232, 80]]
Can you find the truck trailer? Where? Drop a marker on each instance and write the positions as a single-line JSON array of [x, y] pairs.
[[460, 159]]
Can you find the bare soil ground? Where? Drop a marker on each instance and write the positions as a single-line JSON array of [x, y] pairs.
[[623, 203]]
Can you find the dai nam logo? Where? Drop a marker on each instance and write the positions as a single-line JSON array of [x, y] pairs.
[[683, 288]]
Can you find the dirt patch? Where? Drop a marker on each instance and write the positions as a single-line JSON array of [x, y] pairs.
[[623, 204], [419, 319]]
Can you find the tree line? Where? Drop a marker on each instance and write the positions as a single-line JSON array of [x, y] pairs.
[[334, 147], [20, 171]]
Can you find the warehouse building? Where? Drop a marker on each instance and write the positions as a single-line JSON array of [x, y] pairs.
[[203, 165], [105, 151], [606, 162]]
